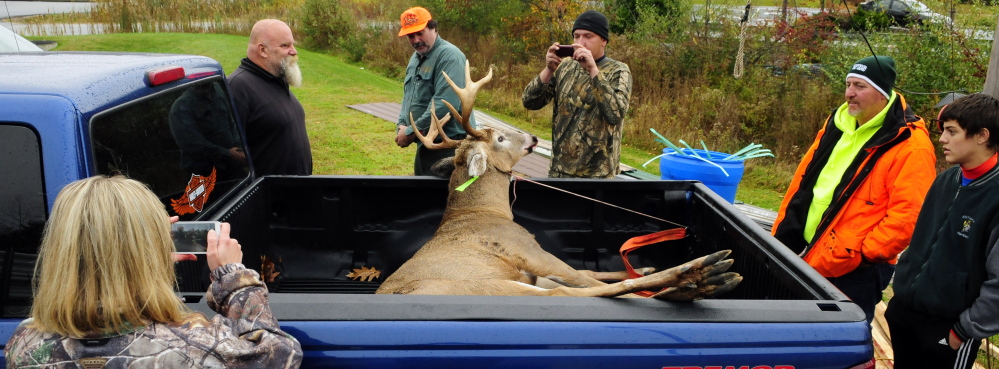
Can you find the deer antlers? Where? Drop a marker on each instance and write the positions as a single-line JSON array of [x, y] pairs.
[[467, 98], [436, 127]]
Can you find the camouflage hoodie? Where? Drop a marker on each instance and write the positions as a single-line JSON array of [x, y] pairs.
[[244, 335], [587, 117]]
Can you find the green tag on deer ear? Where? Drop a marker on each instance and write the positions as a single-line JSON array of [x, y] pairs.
[[466, 184]]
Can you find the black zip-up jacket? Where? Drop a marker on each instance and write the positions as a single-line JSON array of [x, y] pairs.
[[951, 268], [273, 119]]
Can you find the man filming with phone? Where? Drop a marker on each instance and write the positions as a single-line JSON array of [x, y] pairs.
[[590, 93]]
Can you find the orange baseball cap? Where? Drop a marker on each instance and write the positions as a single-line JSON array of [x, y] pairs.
[[413, 20]]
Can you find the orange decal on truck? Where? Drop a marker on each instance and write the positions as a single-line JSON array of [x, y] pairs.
[[195, 195]]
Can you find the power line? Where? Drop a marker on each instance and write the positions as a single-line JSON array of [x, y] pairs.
[[881, 69]]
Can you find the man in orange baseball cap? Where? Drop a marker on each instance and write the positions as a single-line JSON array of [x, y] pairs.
[[413, 20], [425, 84]]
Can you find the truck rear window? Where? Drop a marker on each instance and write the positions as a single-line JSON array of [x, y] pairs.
[[22, 215], [184, 143]]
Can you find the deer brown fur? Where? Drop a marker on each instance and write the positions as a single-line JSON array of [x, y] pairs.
[[479, 250]]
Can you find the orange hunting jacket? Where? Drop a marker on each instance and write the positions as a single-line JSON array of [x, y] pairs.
[[876, 203]]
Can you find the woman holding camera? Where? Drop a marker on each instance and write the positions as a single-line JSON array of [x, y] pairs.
[[104, 292]]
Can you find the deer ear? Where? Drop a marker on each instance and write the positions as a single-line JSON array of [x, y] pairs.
[[443, 168], [476, 162]]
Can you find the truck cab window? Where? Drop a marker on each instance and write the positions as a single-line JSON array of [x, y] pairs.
[[184, 143], [22, 214]]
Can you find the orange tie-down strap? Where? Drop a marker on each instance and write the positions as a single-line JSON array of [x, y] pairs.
[[640, 241]]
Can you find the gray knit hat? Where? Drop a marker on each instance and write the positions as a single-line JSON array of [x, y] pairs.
[[879, 72]]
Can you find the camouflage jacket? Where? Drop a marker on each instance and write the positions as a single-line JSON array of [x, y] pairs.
[[586, 118], [244, 335]]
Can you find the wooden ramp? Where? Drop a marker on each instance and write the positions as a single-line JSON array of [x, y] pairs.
[[883, 356], [763, 217]]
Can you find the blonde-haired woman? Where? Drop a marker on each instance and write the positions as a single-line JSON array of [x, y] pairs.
[[104, 292]]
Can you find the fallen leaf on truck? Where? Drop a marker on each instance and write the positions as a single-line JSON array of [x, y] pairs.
[[365, 274]]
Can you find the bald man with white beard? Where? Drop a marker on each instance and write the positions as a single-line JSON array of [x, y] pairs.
[[273, 119]]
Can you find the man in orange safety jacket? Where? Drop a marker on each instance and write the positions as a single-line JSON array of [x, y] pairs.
[[853, 202]]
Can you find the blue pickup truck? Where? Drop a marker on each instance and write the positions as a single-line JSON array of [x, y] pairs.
[[66, 116]]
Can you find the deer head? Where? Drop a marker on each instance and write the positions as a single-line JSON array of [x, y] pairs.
[[483, 148]]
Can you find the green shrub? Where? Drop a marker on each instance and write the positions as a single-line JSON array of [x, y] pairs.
[[805, 40], [482, 17], [928, 59], [661, 21], [328, 24], [355, 46], [867, 20], [650, 18]]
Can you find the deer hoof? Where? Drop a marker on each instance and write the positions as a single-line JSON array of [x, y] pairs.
[[709, 287], [714, 258], [730, 281], [717, 268], [676, 294]]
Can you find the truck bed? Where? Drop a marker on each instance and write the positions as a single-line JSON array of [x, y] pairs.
[[320, 228], [783, 315]]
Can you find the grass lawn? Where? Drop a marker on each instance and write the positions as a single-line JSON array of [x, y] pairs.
[[346, 141]]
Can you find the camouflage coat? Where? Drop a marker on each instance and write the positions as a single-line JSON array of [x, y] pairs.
[[244, 335], [586, 118]]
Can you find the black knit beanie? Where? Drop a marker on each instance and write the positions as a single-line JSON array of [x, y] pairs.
[[880, 73], [593, 21]]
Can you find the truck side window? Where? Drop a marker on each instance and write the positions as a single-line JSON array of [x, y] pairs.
[[184, 143], [22, 215]]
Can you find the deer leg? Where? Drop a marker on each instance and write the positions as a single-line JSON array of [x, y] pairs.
[[549, 284], [706, 271], [546, 283], [615, 276], [600, 276], [483, 287], [694, 280], [544, 265], [502, 287]]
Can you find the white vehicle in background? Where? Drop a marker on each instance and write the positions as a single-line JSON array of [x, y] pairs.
[[12, 42], [903, 12]]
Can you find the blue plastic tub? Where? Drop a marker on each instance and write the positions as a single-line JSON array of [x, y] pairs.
[[686, 167]]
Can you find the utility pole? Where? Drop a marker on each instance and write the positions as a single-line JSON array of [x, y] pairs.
[[991, 78], [707, 17]]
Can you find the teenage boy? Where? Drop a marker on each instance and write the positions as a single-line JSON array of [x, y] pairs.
[[947, 282]]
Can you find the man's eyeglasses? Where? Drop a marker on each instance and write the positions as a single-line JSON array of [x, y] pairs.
[[937, 126], [937, 123]]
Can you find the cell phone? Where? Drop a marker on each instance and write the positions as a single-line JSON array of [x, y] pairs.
[[192, 237], [564, 51]]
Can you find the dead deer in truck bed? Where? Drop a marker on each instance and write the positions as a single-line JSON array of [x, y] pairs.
[[479, 250]]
